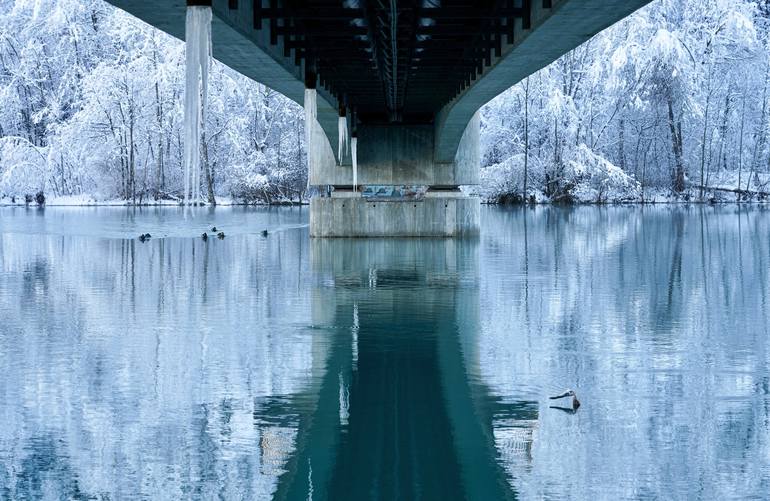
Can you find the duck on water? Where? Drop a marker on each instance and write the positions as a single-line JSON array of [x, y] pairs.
[[575, 402]]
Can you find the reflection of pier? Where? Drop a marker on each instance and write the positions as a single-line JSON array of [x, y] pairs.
[[392, 412]]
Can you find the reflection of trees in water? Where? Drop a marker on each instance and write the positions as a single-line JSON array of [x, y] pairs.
[[153, 361], [659, 315], [35, 283], [45, 470]]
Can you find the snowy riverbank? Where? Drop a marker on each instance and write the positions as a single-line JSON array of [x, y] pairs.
[[95, 201], [586, 177], [651, 197], [712, 195]]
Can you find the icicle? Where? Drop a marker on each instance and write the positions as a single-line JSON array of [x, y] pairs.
[[310, 119], [354, 159], [310, 105], [206, 56], [342, 134], [197, 59]]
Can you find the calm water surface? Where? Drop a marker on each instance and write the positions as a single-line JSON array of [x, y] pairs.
[[290, 368]]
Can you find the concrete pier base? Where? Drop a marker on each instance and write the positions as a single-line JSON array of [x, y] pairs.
[[361, 218], [397, 155]]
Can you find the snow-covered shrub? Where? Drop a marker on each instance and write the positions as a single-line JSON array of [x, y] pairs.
[[504, 182], [249, 186], [589, 177], [503, 179], [585, 177], [23, 167]]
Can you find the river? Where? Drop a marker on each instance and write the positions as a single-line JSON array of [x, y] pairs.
[[279, 366]]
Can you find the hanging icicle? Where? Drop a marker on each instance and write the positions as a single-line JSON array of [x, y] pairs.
[[310, 119], [354, 160], [310, 105], [342, 134], [198, 61]]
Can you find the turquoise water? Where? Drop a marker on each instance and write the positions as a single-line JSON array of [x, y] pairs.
[[282, 367]]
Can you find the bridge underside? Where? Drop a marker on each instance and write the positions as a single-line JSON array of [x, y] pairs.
[[408, 75]]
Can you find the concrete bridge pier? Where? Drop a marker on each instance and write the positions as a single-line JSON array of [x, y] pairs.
[[397, 155]]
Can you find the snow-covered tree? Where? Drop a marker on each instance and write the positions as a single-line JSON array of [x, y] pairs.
[[675, 96], [92, 104]]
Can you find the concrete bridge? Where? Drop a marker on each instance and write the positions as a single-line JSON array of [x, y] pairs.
[[410, 74]]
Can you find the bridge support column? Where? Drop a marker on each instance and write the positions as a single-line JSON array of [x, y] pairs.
[[399, 156]]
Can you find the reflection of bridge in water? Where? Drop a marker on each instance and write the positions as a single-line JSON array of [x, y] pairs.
[[394, 410]]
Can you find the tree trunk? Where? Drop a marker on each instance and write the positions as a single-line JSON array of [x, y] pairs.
[[722, 150], [207, 167], [759, 143], [159, 175], [526, 137], [740, 141], [636, 155], [676, 146], [703, 145], [621, 145], [131, 155]]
